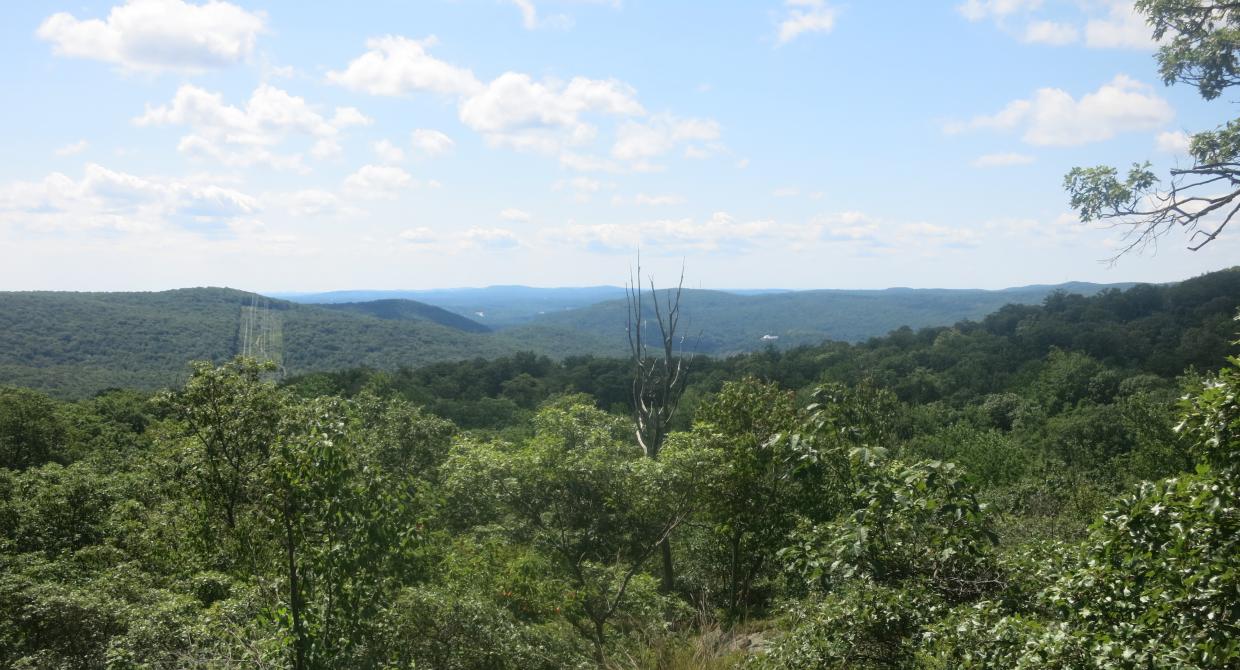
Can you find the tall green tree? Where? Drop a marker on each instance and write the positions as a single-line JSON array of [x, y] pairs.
[[31, 431]]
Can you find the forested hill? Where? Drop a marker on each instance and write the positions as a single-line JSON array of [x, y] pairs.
[[722, 322], [405, 310], [735, 319], [74, 344], [1088, 343], [496, 306], [944, 484]]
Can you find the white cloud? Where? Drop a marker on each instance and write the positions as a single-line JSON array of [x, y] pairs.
[[1103, 24], [514, 214], [921, 233], [431, 142], [516, 111], [388, 152], [72, 149], [721, 233], [588, 163], [846, 227], [658, 200], [491, 238], [531, 21], [398, 65], [805, 16], [786, 192], [871, 235], [313, 202], [638, 141], [378, 182], [105, 199], [549, 116], [1051, 32], [243, 137], [1172, 142], [977, 10], [1002, 160], [582, 187], [420, 236], [1123, 28], [349, 116], [529, 13], [1054, 118], [1063, 230], [158, 35]]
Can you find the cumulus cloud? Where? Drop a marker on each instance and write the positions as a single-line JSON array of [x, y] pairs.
[[1052, 117], [582, 187], [491, 238], [720, 233], [105, 199], [158, 35], [544, 116], [640, 141], [1002, 160], [529, 13], [644, 200], [313, 202], [388, 152], [1051, 32], [867, 234], [978, 10], [1122, 28], [431, 142], [418, 237], [589, 163], [530, 19], [72, 149], [805, 16], [514, 214], [1172, 142], [396, 65], [378, 182], [1064, 229], [246, 136], [1099, 24], [517, 111]]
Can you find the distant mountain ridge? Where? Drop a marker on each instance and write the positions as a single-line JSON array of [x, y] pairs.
[[403, 310], [494, 306], [721, 323], [74, 344], [506, 306]]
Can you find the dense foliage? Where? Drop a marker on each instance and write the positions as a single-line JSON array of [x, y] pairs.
[[1051, 486]]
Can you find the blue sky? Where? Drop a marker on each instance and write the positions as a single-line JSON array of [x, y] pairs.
[[809, 144]]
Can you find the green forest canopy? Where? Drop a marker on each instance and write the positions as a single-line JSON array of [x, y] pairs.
[[971, 496]]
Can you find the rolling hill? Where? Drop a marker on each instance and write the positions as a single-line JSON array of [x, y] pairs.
[[74, 344], [718, 322], [406, 310], [494, 306]]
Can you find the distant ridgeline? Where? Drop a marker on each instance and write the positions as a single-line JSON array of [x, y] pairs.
[[75, 344]]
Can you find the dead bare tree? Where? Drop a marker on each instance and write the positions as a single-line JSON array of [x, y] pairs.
[[659, 377]]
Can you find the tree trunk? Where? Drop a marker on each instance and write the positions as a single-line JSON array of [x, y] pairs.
[[600, 656], [669, 574]]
